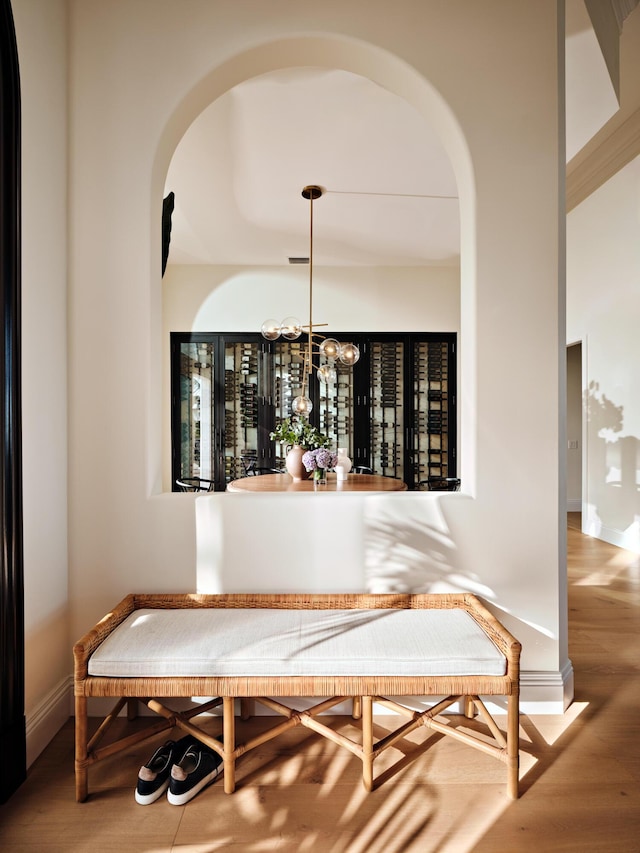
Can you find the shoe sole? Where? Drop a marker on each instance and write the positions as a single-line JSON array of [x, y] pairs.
[[147, 799], [181, 799]]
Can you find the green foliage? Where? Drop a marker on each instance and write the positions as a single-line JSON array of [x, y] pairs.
[[296, 430]]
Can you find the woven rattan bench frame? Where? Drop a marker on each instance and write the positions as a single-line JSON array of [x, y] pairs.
[[364, 690]]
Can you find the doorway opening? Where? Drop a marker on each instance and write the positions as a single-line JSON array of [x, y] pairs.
[[574, 428]]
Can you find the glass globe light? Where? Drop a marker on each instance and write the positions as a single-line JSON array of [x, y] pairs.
[[291, 328], [349, 354], [270, 330], [327, 373], [301, 406], [330, 348]]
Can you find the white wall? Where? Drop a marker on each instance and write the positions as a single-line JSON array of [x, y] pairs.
[[42, 48], [603, 306], [486, 76], [215, 298], [200, 298], [130, 107]]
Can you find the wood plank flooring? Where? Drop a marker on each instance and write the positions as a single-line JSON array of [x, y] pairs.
[[580, 777]]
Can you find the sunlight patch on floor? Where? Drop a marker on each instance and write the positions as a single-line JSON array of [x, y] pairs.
[[552, 727], [624, 565]]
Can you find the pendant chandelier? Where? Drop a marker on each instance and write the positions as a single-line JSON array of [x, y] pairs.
[[291, 328]]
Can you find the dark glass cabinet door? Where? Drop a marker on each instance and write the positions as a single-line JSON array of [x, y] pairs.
[[431, 439], [286, 378], [194, 451], [243, 393], [221, 412], [336, 408], [387, 409]]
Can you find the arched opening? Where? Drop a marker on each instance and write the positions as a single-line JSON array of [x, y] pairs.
[[398, 79]]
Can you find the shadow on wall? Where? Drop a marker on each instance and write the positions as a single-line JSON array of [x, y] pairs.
[[408, 548], [613, 465]]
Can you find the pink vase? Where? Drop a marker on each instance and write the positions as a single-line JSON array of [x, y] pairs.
[[294, 463]]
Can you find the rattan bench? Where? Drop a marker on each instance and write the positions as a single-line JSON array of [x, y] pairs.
[[368, 648]]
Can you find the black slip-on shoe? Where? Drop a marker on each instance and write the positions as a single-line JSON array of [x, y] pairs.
[[197, 768], [153, 778]]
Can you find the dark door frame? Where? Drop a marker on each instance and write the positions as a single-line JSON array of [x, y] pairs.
[[13, 762]]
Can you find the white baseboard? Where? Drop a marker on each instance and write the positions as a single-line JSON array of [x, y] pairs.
[[546, 692], [629, 540], [574, 505], [48, 717]]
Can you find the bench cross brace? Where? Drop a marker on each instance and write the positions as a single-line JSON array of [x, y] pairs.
[[366, 749]]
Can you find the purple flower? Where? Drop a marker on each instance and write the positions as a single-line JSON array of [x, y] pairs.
[[325, 458], [309, 460], [319, 458]]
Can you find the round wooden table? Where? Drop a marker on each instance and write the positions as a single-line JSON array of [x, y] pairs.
[[285, 483]]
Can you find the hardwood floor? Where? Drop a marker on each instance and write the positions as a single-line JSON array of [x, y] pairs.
[[580, 779]]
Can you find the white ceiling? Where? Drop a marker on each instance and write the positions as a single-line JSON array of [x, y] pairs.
[[391, 195]]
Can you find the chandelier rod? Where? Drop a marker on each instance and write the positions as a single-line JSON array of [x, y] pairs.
[[310, 192], [291, 329], [309, 342]]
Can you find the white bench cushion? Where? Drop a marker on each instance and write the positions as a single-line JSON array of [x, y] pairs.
[[254, 642]]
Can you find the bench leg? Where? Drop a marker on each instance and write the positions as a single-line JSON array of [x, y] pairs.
[[356, 709], [469, 707], [513, 745], [229, 742], [367, 742], [247, 709], [82, 771], [132, 709]]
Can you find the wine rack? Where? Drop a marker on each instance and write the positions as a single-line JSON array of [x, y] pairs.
[[387, 390], [431, 410], [394, 412]]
